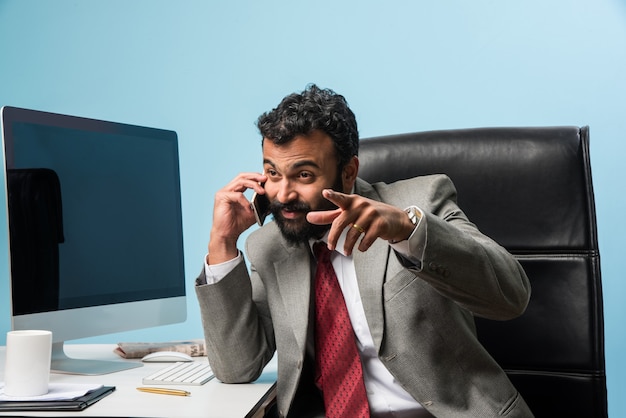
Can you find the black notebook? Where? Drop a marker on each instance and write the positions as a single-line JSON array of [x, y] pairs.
[[76, 404]]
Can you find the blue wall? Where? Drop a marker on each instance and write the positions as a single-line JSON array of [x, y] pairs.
[[207, 69]]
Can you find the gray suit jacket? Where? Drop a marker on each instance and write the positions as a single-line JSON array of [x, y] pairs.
[[421, 320]]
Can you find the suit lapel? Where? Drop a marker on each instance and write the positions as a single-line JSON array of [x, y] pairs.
[[293, 273], [370, 269]]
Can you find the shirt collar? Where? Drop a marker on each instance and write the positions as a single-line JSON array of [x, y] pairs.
[[340, 241]]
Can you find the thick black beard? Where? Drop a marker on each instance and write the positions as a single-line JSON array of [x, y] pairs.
[[296, 235]]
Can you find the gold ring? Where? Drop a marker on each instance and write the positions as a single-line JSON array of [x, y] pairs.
[[358, 228]]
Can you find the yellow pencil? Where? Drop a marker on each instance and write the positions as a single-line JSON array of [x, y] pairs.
[[164, 391]]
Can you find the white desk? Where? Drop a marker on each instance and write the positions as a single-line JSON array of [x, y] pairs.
[[213, 399]]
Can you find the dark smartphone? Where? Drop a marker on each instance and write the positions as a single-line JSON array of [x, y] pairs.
[[261, 207]]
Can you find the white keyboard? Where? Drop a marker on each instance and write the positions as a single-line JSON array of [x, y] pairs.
[[181, 373]]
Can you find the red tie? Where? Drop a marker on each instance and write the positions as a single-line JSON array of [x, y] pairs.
[[339, 372]]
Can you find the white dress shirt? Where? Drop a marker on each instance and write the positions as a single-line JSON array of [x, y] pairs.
[[385, 396]]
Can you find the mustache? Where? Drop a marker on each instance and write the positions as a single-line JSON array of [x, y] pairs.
[[295, 206]]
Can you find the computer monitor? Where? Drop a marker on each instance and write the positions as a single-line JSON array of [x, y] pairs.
[[95, 229]]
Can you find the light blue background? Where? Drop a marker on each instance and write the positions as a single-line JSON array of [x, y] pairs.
[[207, 69]]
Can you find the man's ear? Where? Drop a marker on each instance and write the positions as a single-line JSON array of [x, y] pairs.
[[349, 174]]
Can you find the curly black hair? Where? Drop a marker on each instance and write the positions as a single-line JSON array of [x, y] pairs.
[[313, 109]]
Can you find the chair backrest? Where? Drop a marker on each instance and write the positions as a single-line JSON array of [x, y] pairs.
[[530, 189]]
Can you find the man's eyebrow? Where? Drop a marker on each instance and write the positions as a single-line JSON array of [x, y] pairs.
[[298, 164], [305, 163]]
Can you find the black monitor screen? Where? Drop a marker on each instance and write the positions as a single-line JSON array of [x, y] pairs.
[[94, 213]]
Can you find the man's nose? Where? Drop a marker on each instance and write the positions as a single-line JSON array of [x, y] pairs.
[[286, 192]]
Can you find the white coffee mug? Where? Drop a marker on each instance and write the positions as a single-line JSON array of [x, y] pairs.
[[27, 366]]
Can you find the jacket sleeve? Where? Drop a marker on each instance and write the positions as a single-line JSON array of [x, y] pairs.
[[459, 261], [237, 331]]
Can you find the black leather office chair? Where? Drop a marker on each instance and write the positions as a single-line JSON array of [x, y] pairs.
[[530, 189]]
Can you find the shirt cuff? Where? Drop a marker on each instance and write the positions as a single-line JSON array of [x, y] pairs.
[[216, 272], [412, 249]]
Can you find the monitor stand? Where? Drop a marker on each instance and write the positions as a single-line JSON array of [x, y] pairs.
[[61, 363]]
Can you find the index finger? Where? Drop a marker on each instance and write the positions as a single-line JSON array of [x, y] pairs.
[[323, 217], [338, 198], [245, 181]]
